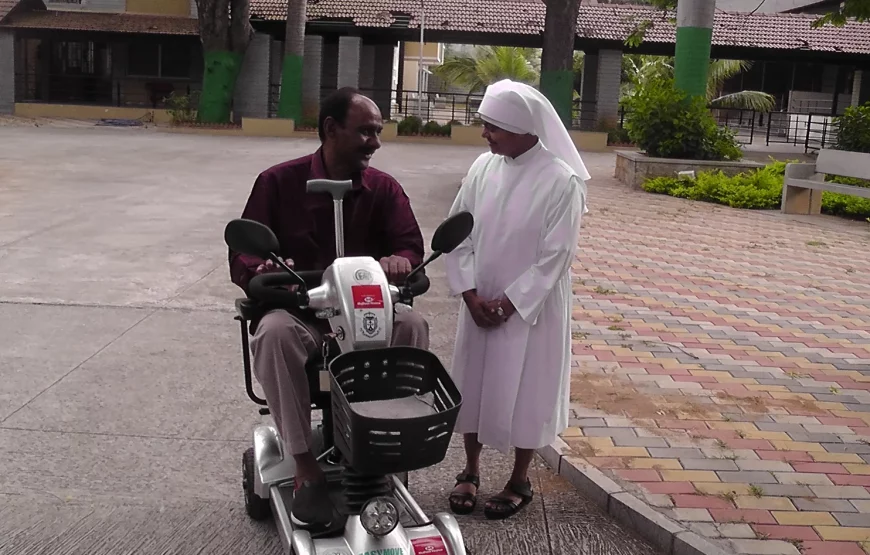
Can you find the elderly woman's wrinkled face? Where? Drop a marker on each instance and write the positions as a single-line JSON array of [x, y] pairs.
[[504, 142]]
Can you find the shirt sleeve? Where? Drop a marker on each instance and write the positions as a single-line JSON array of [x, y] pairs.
[[402, 233], [531, 289], [258, 208]]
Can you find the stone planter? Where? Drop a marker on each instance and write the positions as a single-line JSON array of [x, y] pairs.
[[633, 168]]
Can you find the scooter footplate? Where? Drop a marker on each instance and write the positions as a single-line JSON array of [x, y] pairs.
[[338, 501]]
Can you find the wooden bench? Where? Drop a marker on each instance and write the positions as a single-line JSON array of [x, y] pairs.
[[804, 183]]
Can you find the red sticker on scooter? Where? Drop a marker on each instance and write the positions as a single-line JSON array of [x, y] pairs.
[[367, 296], [433, 545]]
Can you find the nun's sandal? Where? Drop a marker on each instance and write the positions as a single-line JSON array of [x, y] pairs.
[[463, 503]]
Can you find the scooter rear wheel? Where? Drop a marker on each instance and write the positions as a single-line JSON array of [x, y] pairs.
[[256, 507]]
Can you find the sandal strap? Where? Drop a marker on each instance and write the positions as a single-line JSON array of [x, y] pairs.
[[522, 489], [504, 501], [472, 479]]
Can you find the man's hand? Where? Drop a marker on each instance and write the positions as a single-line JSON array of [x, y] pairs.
[[397, 268], [269, 266], [483, 315]]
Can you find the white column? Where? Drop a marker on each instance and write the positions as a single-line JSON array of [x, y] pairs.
[[251, 97], [349, 54], [312, 69], [609, 80]]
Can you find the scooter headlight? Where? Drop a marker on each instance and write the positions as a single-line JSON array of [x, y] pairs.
[[379, 516]]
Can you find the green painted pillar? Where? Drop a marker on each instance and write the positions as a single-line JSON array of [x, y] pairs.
[[694, 36]]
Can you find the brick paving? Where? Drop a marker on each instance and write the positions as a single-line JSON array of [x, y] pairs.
[[722, 369]]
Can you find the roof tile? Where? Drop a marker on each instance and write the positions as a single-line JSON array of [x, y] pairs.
[[6, 7], [603, 22], [113, 22]]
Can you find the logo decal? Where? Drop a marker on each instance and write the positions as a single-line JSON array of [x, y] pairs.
[[367, 297], [363, 276], [370, 325]]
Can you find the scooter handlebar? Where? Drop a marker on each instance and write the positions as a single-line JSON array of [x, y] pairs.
[[272, 289], [418, 284]]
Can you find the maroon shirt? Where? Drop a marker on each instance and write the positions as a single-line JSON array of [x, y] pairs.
[[378, 220]]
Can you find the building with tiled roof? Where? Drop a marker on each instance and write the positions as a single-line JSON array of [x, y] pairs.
[[121, 53], [469, 21], [97, 52]]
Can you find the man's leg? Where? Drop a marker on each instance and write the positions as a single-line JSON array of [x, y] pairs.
[[281, 346], [410, 329]]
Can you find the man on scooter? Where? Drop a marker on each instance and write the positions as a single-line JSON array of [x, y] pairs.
[[379, 222]]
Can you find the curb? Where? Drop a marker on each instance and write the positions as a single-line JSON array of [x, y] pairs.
[[662, 532]]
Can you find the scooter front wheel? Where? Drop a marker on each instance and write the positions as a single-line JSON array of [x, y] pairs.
[[256, 507]]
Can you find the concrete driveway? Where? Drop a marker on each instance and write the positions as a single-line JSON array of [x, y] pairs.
[[123, 413]]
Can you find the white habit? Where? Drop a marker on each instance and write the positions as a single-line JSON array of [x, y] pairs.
[[515, 378]]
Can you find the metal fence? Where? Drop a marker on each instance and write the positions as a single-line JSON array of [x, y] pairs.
[[92, 90], [811, 131]]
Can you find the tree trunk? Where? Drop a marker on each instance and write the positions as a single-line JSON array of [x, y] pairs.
[[557, 57], [290, 104], [224, 41]]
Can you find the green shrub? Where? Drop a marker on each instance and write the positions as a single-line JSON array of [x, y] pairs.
[[853, 131], [759, 189], [411, 125], [846, 205], [181, 107], [433, 128], [665, 123]]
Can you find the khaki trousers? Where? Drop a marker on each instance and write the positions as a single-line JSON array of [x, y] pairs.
[[281, 345]]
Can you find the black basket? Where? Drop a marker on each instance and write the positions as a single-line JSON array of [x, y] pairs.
[[385, 445]]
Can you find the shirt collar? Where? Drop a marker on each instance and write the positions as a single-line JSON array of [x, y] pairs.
[[318, 171]]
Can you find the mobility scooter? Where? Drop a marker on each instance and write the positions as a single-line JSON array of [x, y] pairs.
[[386, 411]]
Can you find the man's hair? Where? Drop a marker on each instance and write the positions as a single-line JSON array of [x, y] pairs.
[[335, 106]]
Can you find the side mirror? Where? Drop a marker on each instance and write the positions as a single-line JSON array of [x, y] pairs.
[[251, 238], [452, 232]]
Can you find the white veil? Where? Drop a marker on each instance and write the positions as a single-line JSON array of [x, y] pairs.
[[520, 108]]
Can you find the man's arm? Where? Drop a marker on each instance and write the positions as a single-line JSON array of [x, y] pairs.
[[258, 208], [402, 232]]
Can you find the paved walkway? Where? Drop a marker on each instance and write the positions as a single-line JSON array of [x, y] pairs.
[[723, 369], [123, 414]]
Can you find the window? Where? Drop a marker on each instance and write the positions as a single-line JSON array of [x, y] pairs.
[[170, 59]]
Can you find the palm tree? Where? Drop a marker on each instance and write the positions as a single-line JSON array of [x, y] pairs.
[[640, 69], [489, 64], [721, 71]]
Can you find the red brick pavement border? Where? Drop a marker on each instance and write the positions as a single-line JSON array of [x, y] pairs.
[[722, 375]]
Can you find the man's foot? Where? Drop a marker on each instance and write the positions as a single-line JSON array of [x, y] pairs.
[[514, 497], [463, 498], [312, 507]]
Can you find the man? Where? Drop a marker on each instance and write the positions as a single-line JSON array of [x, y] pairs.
[[512, 359], [379, 222]]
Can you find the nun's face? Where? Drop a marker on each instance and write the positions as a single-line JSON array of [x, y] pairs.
[[504, 142]]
